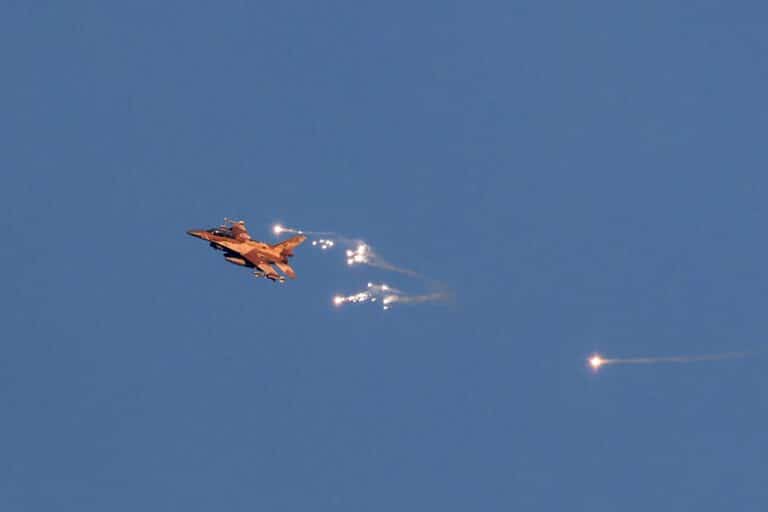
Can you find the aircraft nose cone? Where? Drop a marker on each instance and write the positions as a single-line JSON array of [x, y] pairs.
[[194, 232]]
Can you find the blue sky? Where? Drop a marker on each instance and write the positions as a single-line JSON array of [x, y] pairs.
[[584, 177]]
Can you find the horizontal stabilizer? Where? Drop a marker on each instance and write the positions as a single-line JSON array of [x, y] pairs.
[[268, 271], [286, 269]]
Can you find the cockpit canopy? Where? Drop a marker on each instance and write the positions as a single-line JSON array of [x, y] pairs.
[[231, 229], [222, 231]]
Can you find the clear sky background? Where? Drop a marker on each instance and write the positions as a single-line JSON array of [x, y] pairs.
[[585, 176]]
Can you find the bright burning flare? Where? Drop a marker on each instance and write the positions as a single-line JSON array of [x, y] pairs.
[[323, 243], [596, 362], [361, 254], [277, 229]]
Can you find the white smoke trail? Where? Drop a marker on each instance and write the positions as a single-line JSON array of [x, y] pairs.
[[596, 361], [357, 251], [388, 296], [278, 229], [364, 254]]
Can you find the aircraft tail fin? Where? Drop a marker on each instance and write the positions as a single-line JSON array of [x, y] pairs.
[[286, 246]]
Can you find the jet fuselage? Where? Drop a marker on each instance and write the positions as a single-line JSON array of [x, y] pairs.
[[239, 249]]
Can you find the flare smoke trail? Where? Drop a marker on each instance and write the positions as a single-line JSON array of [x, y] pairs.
[[596, 361], [364, 253], [388, 296], [278, 229], [360, 253], [357, 253]]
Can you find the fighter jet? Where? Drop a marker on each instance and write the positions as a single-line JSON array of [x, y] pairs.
[[233, 240]]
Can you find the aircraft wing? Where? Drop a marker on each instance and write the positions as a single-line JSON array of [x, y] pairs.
[[253, 256], [286, 246]]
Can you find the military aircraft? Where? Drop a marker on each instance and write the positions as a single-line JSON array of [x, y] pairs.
[[233, 240]]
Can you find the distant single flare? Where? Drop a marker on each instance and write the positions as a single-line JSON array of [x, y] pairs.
[[596, 361]]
